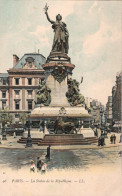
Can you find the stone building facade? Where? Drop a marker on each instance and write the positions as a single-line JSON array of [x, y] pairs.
[[97, 110], [109, 115], [18, 87], [116, 100], [4, 89]]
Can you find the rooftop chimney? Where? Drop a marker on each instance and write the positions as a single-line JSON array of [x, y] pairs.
[[15, 59]]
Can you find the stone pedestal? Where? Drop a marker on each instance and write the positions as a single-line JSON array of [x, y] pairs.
[[58, 91], [58, 69]]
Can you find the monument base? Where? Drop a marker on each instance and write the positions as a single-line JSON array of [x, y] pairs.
[[67, 139], [86, 132], [34, 134], [55, 111], [59, 139]]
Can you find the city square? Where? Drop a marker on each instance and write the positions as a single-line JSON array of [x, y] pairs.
[[60, 103]]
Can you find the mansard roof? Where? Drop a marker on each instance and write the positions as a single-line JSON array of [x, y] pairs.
[[38, 59]]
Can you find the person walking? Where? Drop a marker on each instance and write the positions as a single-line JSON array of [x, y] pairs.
[[32, 167], [96, 133], [39, 164], [111, 139], [99, 141], [43, 168], [114, 139], [120, 138], [102, 141]]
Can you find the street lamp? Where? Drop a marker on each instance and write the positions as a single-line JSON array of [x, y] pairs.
[[29, 140]]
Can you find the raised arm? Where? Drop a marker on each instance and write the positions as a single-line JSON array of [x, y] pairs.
[[46, 8], [51, 21]]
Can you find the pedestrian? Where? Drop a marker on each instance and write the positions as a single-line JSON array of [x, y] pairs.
[[99, 141], [32, 167], [111, 139], [43, 168], [120, 138], [102, 140], [48, 152], [114, 139], [39, 164], [120, 153], [96, 133]]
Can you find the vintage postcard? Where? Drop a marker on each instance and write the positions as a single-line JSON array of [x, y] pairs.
[[60, 98]]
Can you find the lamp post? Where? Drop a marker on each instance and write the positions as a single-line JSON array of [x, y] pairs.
[[29, 140]]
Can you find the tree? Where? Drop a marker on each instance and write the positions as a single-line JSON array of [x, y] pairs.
[[5, 117], [23, 117]]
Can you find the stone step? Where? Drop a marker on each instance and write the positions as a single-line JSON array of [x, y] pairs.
[[34, 140], [66, 141], [24, 142], [64, 136], [60, 143], [24, 138], [92, 140], [57, 140]]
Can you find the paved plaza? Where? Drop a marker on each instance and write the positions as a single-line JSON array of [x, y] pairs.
[[16, 156], [18, 159]]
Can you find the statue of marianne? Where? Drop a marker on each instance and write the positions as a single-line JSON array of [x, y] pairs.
[[61, 35]]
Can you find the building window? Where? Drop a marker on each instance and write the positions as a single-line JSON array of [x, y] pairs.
[[16, 93], [29, 81], [17, 81], [17, 105], [29, 105], [4, 81], [29, 93], [3, 94], [3, 105]]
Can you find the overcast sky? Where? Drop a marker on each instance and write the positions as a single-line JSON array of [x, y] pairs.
[[95, 38]]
